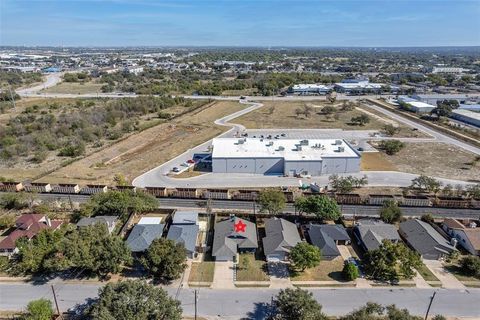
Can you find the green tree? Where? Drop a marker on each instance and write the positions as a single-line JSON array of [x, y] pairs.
[[297, 304], [119, 203], [13, 201], [390, 212], [272, 200], [40, 309], [390, 130], [323, 207], [305, 255], [134, 299], [375, 311], [426, 184], [360, 120], [165, 259], [391, 261], [391, 147], [350, 271], [470, 265]]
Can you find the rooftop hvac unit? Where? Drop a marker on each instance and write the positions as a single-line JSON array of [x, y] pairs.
[[241, 141], [281, 148], [341, 149], [338, 142], [304, 142], [299, 148], [270, 144]]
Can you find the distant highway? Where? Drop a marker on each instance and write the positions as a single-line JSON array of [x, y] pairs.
[[235, 205]]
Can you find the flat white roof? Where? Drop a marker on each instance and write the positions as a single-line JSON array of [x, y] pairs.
[[420, 105], [467, 113], [359, 85], [281, 148], [305, 86], [150, 220]]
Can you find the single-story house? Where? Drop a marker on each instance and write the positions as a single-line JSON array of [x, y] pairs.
[[467, 234], [232, 236], [185, 217], [424, 239], [28, 226], [370, 233], [142, 236], [326, 237], [281, 237], [109, 221], [186, 234]]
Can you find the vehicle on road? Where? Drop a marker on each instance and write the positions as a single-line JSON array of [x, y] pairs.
[[175, 169]]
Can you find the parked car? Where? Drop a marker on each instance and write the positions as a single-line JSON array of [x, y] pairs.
[[175, 169], [190, 161]]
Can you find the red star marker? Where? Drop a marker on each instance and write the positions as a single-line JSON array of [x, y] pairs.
[[240, 226]]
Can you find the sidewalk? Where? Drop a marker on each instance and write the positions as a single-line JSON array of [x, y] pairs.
[[448, 280]]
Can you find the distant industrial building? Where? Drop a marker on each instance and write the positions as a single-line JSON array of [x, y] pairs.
[[358, 86], [470, 107], [417, 106], [467, 116], [448, 70], [309, 89], [291, 157]]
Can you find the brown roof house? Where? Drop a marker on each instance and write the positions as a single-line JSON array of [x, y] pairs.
[[28, 226]]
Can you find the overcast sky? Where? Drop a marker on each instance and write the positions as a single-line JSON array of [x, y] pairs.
[[240, 23]]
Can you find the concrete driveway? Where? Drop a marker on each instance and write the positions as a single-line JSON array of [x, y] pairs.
[[448, 280], [223, 275], [279, 275]]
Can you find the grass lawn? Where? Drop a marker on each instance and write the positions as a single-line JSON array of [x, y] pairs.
[[426, 273], [251, 268], [457, 272], [325, 271], [202, 271]]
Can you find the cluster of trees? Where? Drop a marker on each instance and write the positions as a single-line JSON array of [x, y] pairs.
[[18, 79], [390, 212], [360, 120], [321, 206], [391, 147], [445, 107], [89, 249], [346, 184], [391, 261], [470, 265], [76, 77], [69, 129], [305, 255]]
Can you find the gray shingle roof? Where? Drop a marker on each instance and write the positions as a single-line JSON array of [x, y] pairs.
[[281, 236], [324, 236], [423, 237], [226, 241], [88, 221], [185, 217], [186, 234], [373, 232], [142, 235]]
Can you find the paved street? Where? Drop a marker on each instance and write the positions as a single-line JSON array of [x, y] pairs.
[[240, 303]]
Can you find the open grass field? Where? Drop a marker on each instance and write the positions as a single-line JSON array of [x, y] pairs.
[[436, 159], [281, 114], [325, 271], [251, 268], [145, 150], [75, 88]]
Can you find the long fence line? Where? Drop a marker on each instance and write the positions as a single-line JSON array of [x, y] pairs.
[[248, 195]]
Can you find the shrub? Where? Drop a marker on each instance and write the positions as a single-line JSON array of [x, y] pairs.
[[350, 271]]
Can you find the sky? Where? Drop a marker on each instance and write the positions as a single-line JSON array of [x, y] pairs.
[[313, 23]]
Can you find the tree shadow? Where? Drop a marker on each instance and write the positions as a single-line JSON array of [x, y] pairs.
[[261, 311]]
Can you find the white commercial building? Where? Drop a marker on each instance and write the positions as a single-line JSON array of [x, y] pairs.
[[358, 86], [417, 106], [291, 157], [309, 89]]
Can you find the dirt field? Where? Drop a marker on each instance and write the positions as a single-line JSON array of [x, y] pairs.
[[283, 116], [436, 159], [74, 87], [147, 149], [376, 161]]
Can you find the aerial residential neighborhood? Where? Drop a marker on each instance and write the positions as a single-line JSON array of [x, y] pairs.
[[224, 160]]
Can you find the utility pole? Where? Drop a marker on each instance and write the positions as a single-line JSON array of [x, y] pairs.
[[430, 304], [196, 300], [56, 302], [12, 97]]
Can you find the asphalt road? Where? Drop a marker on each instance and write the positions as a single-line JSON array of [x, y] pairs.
[[349, 210], [249, 303]]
